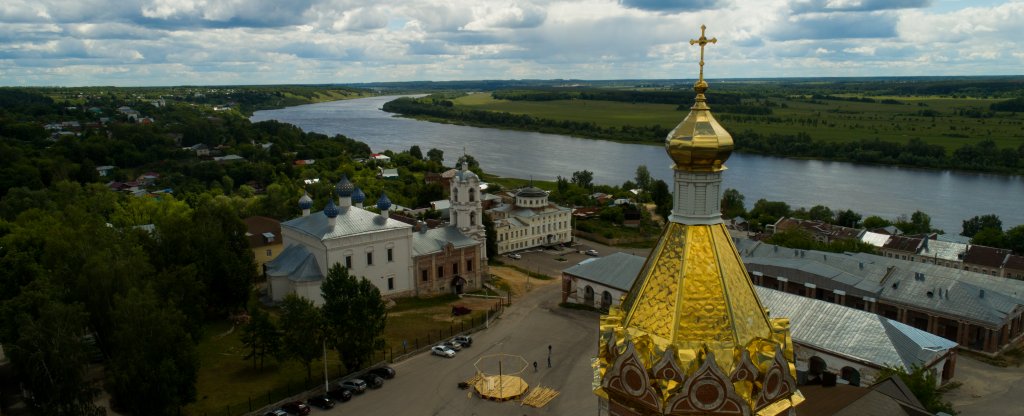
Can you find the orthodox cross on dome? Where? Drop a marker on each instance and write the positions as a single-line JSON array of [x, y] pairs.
[[702, 41]]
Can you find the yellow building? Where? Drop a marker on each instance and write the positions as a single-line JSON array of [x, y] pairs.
[[264, 236], [691, 336]]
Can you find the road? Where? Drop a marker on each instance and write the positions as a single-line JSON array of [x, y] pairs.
[[428, 384]]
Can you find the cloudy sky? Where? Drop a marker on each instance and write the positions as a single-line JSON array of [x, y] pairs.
[[207, 42]]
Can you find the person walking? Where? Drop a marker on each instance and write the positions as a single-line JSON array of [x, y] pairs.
[[549, 356], [534, 366]]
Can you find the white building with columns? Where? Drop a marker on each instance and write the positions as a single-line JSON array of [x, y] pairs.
[[530, 221]]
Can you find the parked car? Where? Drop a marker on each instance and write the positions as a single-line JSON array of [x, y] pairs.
[[454, 345], [372, 380], [321, 401], [296, 408], [465, 340], [592, 252], [356, 385], [276, 412], [515, 256], [340, 394], [443, 351], [383, 371]]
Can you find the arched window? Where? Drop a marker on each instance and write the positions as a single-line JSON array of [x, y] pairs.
[[851, 375], [472, 195], [588, 296], [817, 365], [472, 219], [606, 300]]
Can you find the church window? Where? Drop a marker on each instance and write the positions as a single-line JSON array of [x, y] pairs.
[[423, 275], [472, 195], [391, 256], [269, 252], [455, 268], [369, 259], [472, 218], [391, 283], [469, 265], [440, 271], [348, 262]]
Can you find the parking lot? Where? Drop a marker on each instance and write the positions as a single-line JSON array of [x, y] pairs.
[[546, 261]]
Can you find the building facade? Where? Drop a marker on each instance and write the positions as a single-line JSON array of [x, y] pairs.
[[264, 235], [529, 220]]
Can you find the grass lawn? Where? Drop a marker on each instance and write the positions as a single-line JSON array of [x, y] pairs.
[[227, 383], [826, 120]]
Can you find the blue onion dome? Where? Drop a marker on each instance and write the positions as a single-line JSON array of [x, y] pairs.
[[358, 196], [305, 202], [344, 187], [331, 210], [383, 203]]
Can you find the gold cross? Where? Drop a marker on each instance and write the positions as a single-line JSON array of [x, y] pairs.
[[702, 41]]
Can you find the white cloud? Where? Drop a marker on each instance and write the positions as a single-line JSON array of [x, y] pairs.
[[57, 42]]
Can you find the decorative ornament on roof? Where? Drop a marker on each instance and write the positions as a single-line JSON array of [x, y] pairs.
[[331, 210], [358, 196], [305, 202], [383, 203], [344, 187], [699, 143]]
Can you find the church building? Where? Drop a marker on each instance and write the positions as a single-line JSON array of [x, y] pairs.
[[398, 260]]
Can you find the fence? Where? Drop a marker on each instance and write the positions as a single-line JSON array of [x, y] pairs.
[[300, 390]]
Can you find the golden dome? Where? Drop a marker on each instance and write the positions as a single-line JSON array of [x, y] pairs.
[[699, 143]]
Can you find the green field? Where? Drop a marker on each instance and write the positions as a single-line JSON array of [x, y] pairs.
[[935, 120]]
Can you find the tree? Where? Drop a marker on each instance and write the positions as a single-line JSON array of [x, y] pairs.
[[154, 365], [847, 218], [978, 223], [415, 152], [491, 236], [874, 221], [51, 354], [1015, 239], [662, 198], [768, 212], [643, 178], [470, 160], [355, 316], [302, 331], [821, 213], [261, 338], [435, 155], [991, 237], [583, 179], [732, 204], [922, 383], [919, 223]]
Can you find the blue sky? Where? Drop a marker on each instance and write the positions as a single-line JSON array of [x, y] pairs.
[[208, 42]]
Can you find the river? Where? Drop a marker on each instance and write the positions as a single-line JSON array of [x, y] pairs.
[[948, 197]]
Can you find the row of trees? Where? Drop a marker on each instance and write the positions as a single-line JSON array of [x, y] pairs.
[[80, 283], [351, 321]]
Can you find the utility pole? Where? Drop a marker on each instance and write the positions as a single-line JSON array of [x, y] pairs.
[[327, 384]]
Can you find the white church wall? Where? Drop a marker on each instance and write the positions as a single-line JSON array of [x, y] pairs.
[[834, 363], [378, 243]]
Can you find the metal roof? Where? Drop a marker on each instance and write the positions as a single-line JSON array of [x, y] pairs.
[[944, 250], [853, 332], [895, 280], [350, 221], [295, 263], [433, 240], [875, 239], [617, 270]]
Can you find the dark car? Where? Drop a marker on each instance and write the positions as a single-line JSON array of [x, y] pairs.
[[321, 401], [356, 385], [340, 394], [296, 408], [372, 380], [465, 340], [383, 371]]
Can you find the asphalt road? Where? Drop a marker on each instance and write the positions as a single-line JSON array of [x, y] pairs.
[[428, 384]]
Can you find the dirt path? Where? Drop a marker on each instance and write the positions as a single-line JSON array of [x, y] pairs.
[[519, 282], [987, 390]]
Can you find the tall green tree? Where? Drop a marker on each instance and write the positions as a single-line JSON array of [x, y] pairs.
[[980, 222], [491, 236], [732, 204], [875, 221], [922, 382], [154, 365], [261, 338], [51, 355], [302, 331], [415, 152], [848, 218], [821, 213], [1015, 239], [583, 179], [662, 198], [643, 178], [435, 155], [355, 316]]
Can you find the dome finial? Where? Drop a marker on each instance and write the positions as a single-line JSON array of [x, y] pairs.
[[700, 86]]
